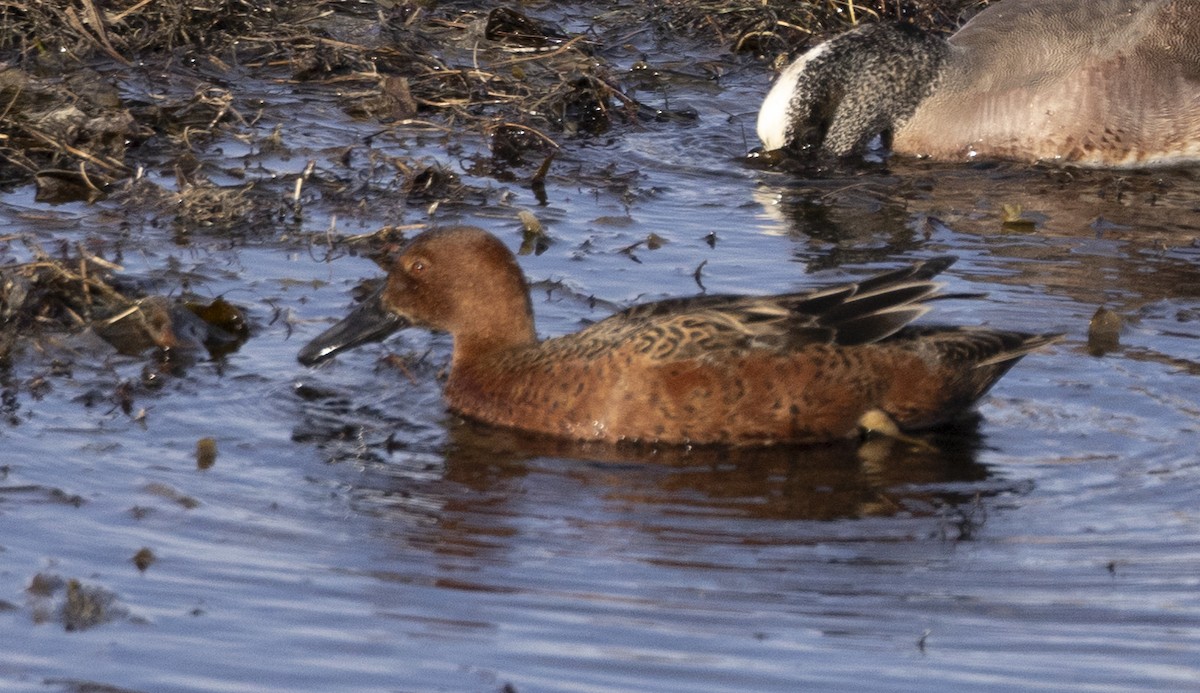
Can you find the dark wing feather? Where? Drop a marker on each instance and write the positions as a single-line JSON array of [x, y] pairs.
[[858, 313]]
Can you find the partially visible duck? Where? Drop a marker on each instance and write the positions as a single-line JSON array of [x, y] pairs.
[[794, 368], [1103, 83], [175, 327]]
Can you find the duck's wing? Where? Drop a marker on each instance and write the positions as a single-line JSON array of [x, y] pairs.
[[855, 313], [1027, 44], [1109, 82]]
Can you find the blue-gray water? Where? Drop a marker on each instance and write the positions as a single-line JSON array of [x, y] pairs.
[[353, 536]]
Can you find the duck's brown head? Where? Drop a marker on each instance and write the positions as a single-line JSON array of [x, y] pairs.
[[460, 280]]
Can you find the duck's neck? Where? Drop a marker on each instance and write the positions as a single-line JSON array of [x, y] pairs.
[[482, 368], [493, 338]]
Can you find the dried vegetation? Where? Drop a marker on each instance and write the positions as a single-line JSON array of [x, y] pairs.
[[500, 71], [73, 122]]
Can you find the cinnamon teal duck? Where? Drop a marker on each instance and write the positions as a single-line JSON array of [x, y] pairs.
[[736, 370], [1102, 83]]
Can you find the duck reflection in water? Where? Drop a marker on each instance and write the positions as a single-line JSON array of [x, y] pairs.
[[461, 465]]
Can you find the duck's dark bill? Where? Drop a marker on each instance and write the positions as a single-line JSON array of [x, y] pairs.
[[369, 322]]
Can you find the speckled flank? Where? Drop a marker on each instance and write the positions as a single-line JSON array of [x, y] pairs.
[[800, 367], [1086, 82]]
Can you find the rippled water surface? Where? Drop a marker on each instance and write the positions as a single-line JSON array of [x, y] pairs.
[[354, 536]]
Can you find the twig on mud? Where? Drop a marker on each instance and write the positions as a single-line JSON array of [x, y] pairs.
[[380, 233], [97, 35], [301, 42], [541, 135], [68, 275], [83, 174], [123, 314], [83, 285], [117, 18], [569, 45], [113, 166], [11, 103]]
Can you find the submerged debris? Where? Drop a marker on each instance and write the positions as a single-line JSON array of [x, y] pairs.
[[76, 290], [1104, 332], [143, 559], [206, 453], [87, 606], [175, 326], [170, 493], [533, 237], [82, 606]]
